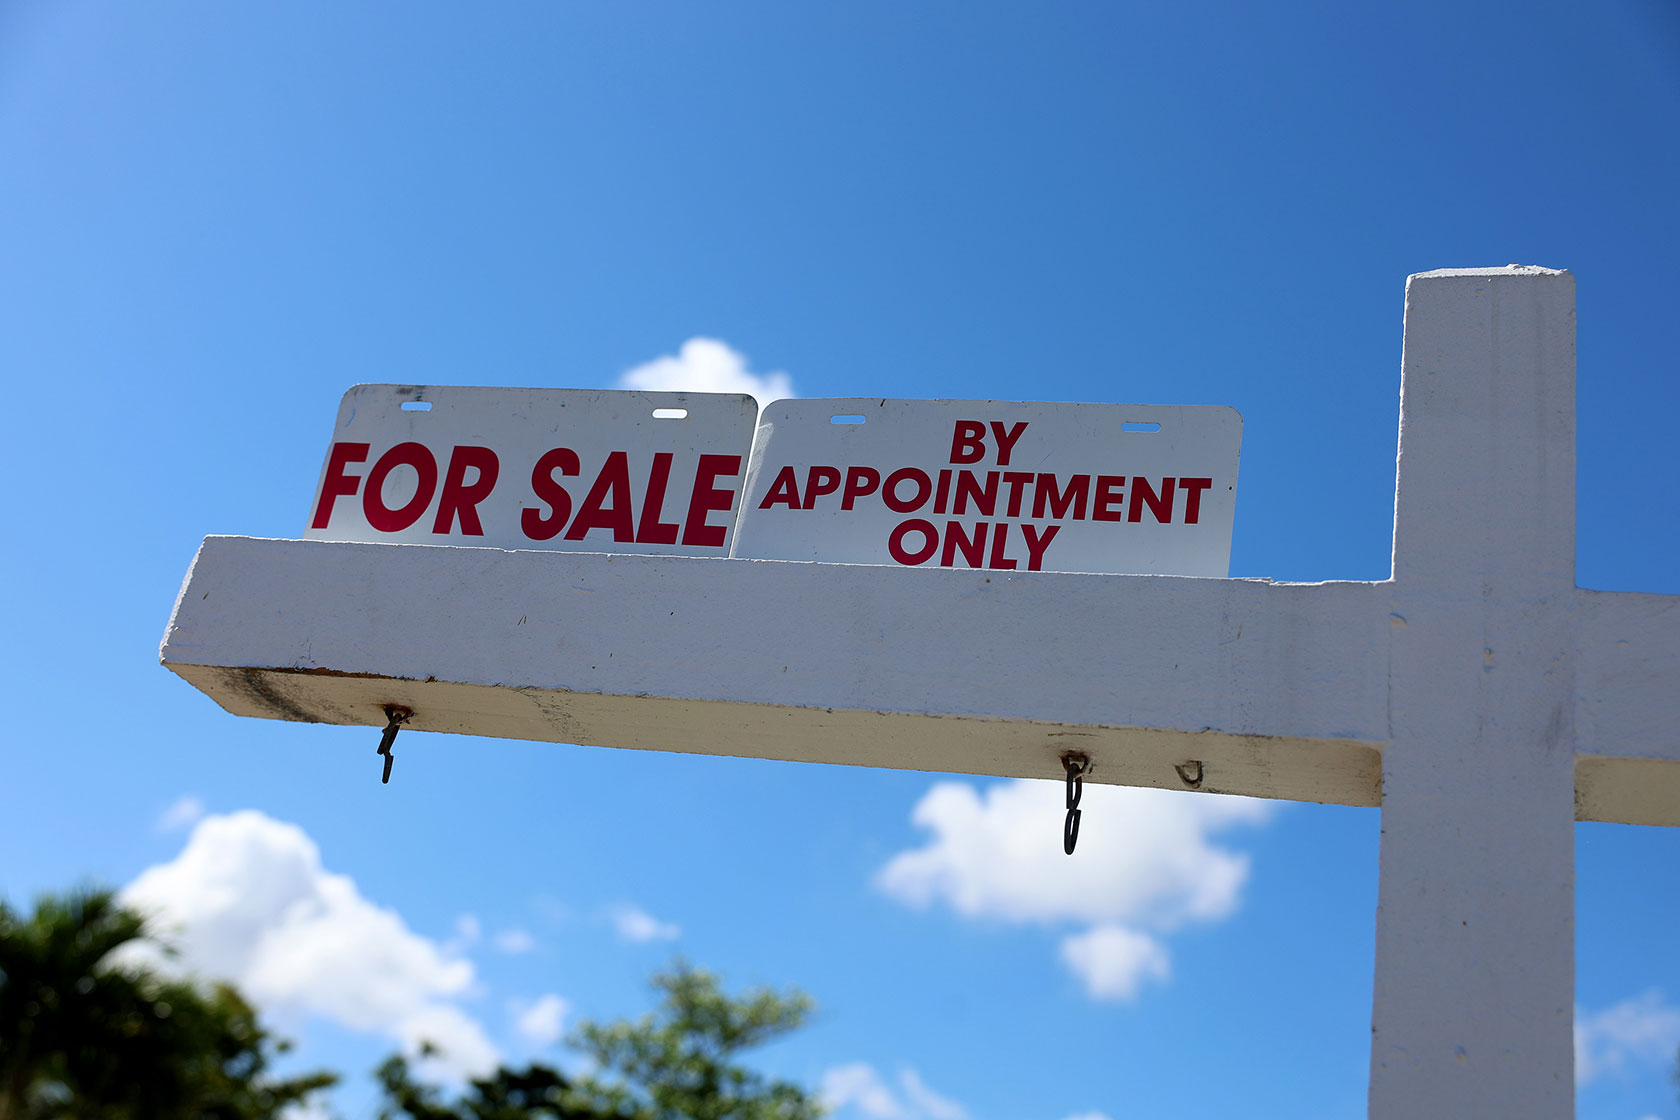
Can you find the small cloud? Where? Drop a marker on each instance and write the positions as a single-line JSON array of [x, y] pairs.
[[1092, 1115], [541, 1022], [1644, 1030], [636, 924], [990, 855], [514, 941], [858, 1086], [926, 1102], [185, 810], [1114, 961], [706, 365], [456, 1041], [467, 932], [249, 900]]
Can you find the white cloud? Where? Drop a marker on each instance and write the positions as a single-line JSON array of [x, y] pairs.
[[635, 924], [1115, 961], [997, 853], [541, 1022], [926, 1102], [249, 901], [857, 1085], [467, 932], [706, 365], [184, 811], [1644, 1030], [514, 941], [461, 1048], [1092, 1115]]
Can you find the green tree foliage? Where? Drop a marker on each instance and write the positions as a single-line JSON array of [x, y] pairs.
[[537, 1092], [83, 1036], [679, 1063]]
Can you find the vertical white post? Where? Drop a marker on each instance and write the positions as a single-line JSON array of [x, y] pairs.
[[1474, 986]]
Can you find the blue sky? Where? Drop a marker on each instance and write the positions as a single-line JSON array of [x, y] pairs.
[[215, 218]]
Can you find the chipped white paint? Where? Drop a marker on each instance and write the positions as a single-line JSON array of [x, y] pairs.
[[1482, 699]]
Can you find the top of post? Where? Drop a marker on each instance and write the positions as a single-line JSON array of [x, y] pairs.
[[1485, 486], [1507, 270]]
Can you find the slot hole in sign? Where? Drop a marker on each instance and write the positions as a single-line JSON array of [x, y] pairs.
[[846, 418], [1140, 426], [417, 406], [669, 413]]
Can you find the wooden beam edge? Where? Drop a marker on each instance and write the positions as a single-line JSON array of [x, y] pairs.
[[1344, 772]]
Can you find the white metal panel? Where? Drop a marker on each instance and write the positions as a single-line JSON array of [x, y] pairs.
[[571, 469], [1024, 486]]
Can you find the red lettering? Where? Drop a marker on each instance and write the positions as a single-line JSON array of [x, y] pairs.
[[460, 500], [930, 541], [613, 482], [651, 530], [708, 497], [820, 481], [1015, 480], [889, 492], [860, 483], [784, 490], [973, 550], [1160, 506], [380, 516], [536, 526], [1006, 440], [985, 501], [943, 494], [1045, 494], [968, 442], [998, 539], [1192, 488], [1111, 502], [1037, 544], [337, 484]]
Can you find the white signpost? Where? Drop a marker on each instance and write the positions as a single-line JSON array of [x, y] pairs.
[[1477, 695]]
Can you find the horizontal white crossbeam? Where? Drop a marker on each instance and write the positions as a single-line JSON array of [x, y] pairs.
[[1278, 690], [1627, 712]]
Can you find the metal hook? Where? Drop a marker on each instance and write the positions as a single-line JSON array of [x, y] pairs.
[[1077, 766], [397, 717], [1070, 831]]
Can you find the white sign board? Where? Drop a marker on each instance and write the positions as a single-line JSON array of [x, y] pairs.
[[573, 469], [994, 484]]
